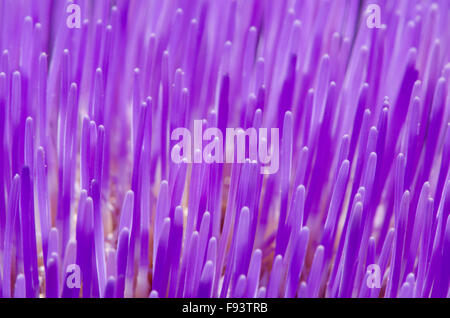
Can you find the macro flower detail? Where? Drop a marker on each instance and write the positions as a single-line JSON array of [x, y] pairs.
[[229, 148]]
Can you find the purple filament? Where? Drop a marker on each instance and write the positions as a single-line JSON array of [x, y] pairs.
[[92, 203]]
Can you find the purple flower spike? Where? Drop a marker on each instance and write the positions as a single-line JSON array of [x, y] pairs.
[[232, 149]]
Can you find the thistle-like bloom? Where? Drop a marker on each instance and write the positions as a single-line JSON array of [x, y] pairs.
[[93, 204]]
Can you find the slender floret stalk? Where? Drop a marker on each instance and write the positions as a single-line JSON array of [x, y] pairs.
[[232, 148]]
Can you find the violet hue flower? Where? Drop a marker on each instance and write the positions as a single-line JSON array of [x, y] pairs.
[[91, 204]]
